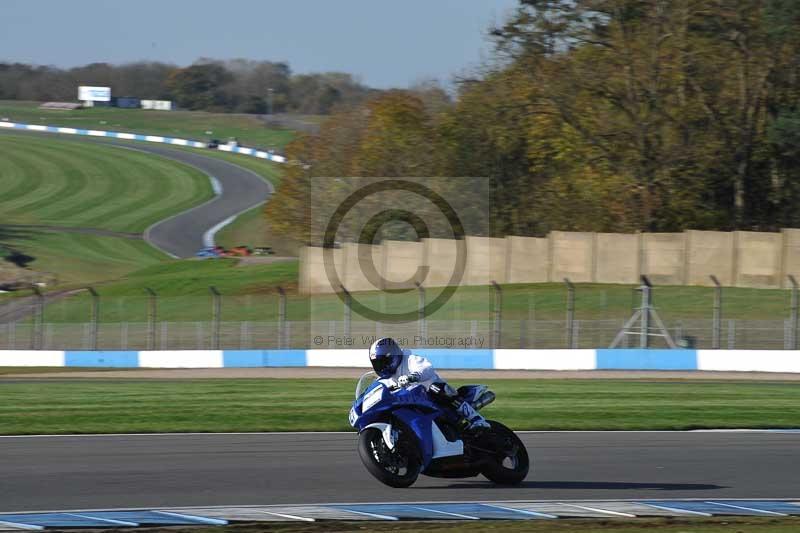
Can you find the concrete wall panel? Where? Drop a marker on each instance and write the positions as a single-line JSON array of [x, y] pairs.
[[572, 256], [313, 278], [746, 259], [486, 261], [402, 261], [758, 259], [617, 258], [527, 260], [357, 259], [663, 258], [791, 255], [441, 258], [710, 252]]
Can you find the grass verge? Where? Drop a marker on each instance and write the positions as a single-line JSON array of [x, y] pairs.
[[12, 370], [57, 182], [76, 258], [182, 286], [249, 129], [222, 405], [252, 297]]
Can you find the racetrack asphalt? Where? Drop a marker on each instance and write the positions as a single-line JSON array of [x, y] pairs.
[[182, 234], [86, 472]]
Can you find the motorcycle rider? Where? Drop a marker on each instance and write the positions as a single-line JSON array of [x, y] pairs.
[[398, 368]]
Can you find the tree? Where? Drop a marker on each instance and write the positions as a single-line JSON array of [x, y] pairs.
[[199, 86]]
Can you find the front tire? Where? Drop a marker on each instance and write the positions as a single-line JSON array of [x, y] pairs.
[[397, 468], [510, 465]]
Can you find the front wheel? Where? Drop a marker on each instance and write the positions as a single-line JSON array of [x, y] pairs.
[[397, 468], [510, 464]]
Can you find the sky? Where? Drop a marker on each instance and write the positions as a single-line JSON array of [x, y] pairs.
[[383, 43]]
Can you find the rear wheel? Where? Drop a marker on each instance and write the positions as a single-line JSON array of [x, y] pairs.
[[398, 467], [510, 464]]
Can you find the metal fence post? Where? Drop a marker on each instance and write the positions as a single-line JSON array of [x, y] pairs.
[[570, 312], [282, 337], [421, 326], [497, 302], [717, 327], [94, 319], [38, 319], [731, 334], [794, 312], [348, 312], [152, 313], [647, 302], [216, 311]]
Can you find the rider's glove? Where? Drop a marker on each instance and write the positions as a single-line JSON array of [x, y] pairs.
[[404, 381]]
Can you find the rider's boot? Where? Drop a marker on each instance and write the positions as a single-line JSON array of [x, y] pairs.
[[472, 422], [475, 423]]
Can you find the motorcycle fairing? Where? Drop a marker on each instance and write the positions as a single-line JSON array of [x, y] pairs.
[[412, 407], [471, 393]]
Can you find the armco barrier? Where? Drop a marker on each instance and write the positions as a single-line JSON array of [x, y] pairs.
[[634, 359], [139, 137]]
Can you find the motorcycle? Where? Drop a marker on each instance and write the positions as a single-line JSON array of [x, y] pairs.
[[402, 433]]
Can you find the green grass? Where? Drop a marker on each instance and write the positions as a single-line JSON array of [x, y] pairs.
[[547, 301], [67, 183], [583, 525], [220, 405], [12, 370], [250, 295], [183, 289], [82, 259], [250, 228], [248, 129]]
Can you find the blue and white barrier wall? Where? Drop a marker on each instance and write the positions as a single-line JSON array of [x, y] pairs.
[[146, 138], [631, 359]]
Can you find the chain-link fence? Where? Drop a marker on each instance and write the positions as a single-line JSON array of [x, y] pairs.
[[538, 317], [253, 335]]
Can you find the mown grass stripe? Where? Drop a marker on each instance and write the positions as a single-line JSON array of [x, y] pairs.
[[74, 181], [70, 183]]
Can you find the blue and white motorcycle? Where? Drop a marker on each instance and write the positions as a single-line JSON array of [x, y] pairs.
[[403, 433]]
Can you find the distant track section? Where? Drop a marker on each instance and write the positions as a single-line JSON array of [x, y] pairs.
[[182, 235], [239, 190], [260, 154]]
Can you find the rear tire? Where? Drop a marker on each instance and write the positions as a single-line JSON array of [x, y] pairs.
[[397, 468], [511, 464]]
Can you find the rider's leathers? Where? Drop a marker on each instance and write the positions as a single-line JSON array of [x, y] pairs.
[[422, 372]]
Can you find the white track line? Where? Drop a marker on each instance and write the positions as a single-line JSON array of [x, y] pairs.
[[15, 525], [201, 519], [457, 515], [106, 520], [746, 508], [602, 511], [373, 515], [523, 511], [284, 515], [675, 510], [208, 236]]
